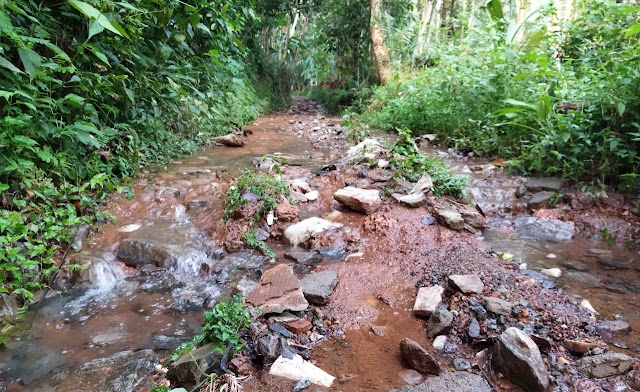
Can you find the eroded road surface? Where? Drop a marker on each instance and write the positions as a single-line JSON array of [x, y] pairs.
[[516, 295]]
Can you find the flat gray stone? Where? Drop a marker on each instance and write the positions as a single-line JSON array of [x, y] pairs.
[[540, 200], [552, 184], [450, 382], [318, 287], [413, 200], [450, 218], [440, 321], [518, 358], [605, 365], [427, 300], [498, 306], [468, 284]]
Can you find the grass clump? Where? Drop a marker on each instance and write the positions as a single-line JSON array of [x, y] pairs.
[[411, 164], [266, 188], [223, 325]]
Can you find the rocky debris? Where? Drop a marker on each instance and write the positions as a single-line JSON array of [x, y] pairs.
[[427, 300], [450, 218], [8, 306], [551, 184], [605, 365], [544, 229], [136, 252], [468, 284], [305, 230], [303, 257], [417, 358], [197, 204], [298, 369], [553, 272], [368, 148], [189, 366], [299, 185], [108, 338], [318, 287], [461, 364], [473, 218], [123, 371], [241, 366], [81, 234], [424, 184], [585, 279], [519, 359], [298, 327], [130, 228], [229, 140], [410, 376], [610, 263], [270, 347], [244, 261], [167, 342], [158, 281], [611, 329], [412, 201], [474, 329], [312, 196], [450, 382], [633, 379], [234, 246], [364, 200], [540, 200], [439, 342], [579, 347], [440, 321], [278, 290], [498, 306], [287, 212]]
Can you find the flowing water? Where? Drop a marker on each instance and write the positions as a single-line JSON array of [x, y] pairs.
[[180, 206]]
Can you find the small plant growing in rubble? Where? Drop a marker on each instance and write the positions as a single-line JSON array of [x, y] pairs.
[[223, 326], [411, 163], [268, 190]]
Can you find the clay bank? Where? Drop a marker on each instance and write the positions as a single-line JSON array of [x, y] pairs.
[[354, 278]]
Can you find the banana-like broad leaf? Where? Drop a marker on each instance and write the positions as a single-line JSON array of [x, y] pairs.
[[495, 10], [91, 12]]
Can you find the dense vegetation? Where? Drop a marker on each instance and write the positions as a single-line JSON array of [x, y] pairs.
[[92, 91]]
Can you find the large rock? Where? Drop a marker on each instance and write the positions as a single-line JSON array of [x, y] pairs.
[[303, 257], [427, 300], [230, 140], [287, 212], [468, 284], [545, 229], [363, 200], [318, 287], [187, 368], [605, 365], [417, 358], [123, 371], [540, 200], [551, 184], [413, 200], [298, 369], [498, 306], [519, 359], [303, 231], [279, 290], [450, 218], [440, 321], [450, 382], [368, 148]]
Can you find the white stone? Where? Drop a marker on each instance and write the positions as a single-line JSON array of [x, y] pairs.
[[439, 342], [366, 147], [303, 231], [551, 256], [522, 266], [427, 300], [298, 369], [363, 200], [553, 272], [270, 218], [313, 195], [587, 305], [354, 255], [383, 163], [130, 228]]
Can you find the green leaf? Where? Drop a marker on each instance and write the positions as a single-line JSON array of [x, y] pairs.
[[8, 65], [632, 30], [101, 56], [5, 24], [95, 28], [92, 13], [3, 187], [30, 60], [621, 108]]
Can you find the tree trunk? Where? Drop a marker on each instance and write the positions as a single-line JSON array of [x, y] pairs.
[[379, 45], [425, 16]]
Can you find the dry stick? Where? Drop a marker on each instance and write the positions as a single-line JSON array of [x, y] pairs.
[[53, 278]]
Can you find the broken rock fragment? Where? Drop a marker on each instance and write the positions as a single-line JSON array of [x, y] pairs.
[[303, 231], [318, 287], [468, 284], [417, 358], [298, 369], [427, 300], [363, 200], [278, 290], [519, 359]]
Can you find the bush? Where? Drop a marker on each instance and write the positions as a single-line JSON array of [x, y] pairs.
[[568, 106]]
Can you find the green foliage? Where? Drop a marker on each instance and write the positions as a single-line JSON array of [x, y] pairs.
[[91, 91], [334, 100], [223, 325], [564, 103], [167, 389], [250, 239], [269, 190], [411, 164]]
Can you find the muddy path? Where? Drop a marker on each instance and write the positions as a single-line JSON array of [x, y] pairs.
[[381, 259]]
